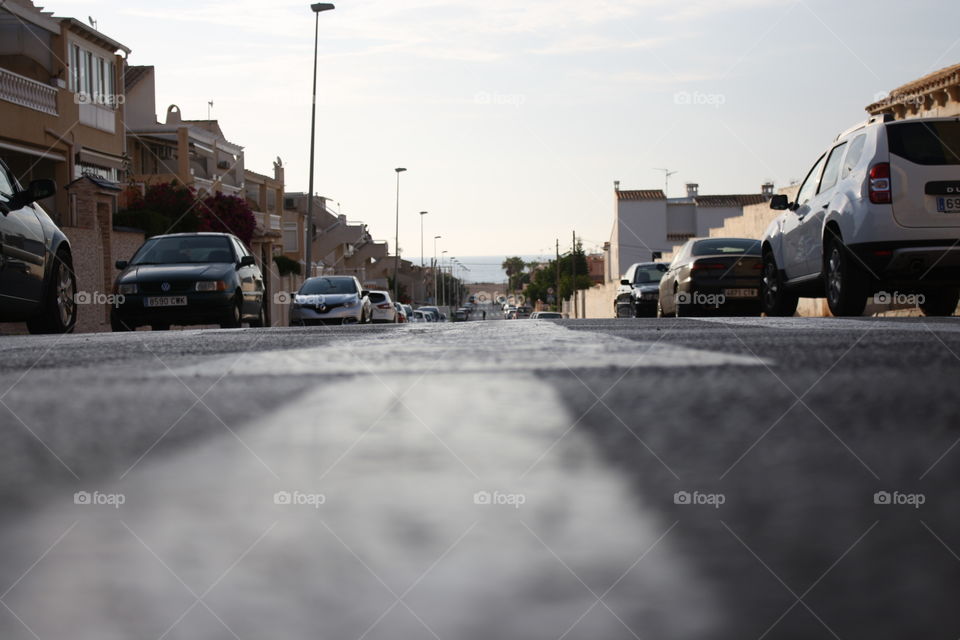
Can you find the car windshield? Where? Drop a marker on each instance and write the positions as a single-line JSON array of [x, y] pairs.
[[927, 143], [730, 246], [328, 286], [184, 250], [651, 274]]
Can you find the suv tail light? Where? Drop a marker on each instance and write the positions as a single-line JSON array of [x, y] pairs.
[[880, 184]]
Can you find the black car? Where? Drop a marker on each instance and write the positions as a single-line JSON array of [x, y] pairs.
[[37, 282], [639, 290], [713, 276], [189, 278]]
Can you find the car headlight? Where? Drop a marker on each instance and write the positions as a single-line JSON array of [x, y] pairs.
[[128, 289], [211, 285]]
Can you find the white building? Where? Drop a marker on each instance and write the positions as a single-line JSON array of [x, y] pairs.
[[647, 223]]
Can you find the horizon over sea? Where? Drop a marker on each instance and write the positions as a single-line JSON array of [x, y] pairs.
[[488, 268]]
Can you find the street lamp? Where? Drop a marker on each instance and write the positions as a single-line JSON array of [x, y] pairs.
[[435, 238], [396, 241], [422, 213], [317, 8], [443, 289]]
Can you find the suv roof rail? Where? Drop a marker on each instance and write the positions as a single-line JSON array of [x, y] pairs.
[[883, 117]]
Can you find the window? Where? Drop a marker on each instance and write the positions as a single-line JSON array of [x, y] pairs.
[[731, 246], [832, 171], [926, 143], [6, 185], [291, 237], [853, 155], [92, 77], [810, 184]]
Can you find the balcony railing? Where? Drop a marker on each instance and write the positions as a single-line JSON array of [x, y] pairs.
[[27, 93]]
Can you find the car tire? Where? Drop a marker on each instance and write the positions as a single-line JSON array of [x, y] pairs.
[[775, 300], [58, 310], [119, 326], [845, 281], [235, 318], [940, 303], [261, 320]]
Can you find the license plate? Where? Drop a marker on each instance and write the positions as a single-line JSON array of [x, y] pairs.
[[166, 301], [740, 293], [948, 205]]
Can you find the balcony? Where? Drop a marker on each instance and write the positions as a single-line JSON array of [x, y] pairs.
[[28, 93], [268, 222]]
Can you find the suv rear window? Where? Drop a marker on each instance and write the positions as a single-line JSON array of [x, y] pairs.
[[928, 143]]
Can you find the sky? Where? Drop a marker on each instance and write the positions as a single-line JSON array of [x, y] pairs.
[[514, 117]]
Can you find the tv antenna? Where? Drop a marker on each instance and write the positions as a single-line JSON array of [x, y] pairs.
[[666, 180]]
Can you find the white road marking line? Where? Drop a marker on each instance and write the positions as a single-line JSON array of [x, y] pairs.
[[399, 500]]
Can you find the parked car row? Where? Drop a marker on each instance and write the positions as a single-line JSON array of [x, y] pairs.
[[878, 212]]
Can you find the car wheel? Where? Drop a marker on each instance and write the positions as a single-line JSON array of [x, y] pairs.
[[58, 312], [119, 326], [235, 317], [261, 320], [775, 300], [844, 280], [940, 303]]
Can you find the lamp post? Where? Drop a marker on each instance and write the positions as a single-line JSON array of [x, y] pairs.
[[435, 238], [317, 9], [422, 213], [396, 240], [443, 289]]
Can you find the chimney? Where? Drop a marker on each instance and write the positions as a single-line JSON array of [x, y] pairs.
[[767, 189], [616, 186], [693, 189]]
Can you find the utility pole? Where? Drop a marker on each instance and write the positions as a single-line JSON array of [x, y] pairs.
[[573, 272], [557, 296]]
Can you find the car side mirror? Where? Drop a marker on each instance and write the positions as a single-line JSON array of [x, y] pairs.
[[780, 202], [247, 261], [38, 190], [364, 294], [121, 264], [625, 282]]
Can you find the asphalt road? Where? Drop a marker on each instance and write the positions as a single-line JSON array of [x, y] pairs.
[[729, 478]]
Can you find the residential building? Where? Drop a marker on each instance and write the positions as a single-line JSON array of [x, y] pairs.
[[62, 107], [194, 153], [934, 95], [647, 224]]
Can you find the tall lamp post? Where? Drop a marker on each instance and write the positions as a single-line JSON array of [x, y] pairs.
[[396, 241], [443, 289], [435, 281], [317, 9], [422, 213]]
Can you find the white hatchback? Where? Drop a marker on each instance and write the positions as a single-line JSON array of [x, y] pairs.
[[383, 308], [879, 213]]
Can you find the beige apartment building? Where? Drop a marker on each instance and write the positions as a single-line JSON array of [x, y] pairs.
[[62, 110]]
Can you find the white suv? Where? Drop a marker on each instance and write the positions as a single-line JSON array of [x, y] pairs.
[[878, 212]]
